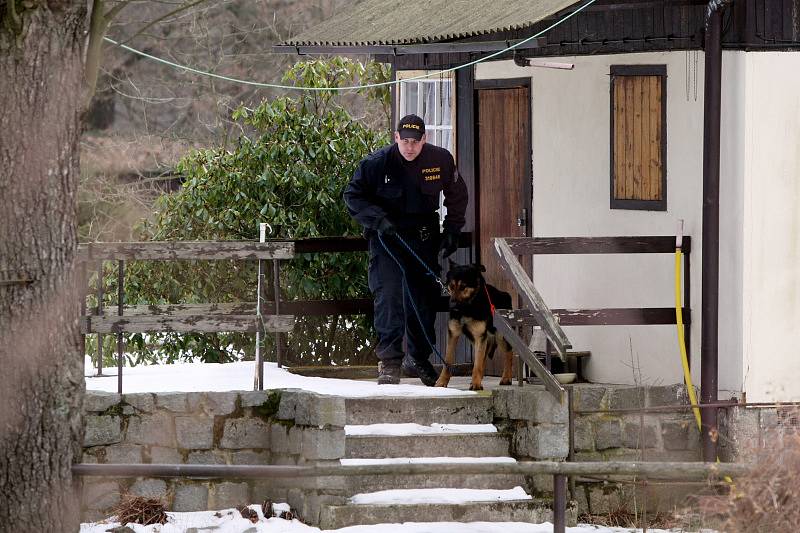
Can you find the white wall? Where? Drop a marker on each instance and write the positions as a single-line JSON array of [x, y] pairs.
[[771, 277], [571, 198]]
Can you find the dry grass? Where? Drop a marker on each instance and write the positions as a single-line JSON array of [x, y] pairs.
[[140, 510], [622, 517], [768, 500]]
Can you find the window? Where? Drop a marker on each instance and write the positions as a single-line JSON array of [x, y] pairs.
[[638, 137], [432, 99]]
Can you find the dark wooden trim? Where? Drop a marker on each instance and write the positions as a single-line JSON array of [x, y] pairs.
[[409, 49], [640, 205], [639, 70], [634, 316], [597, 245], [465, 140], [330, 244], [503, 83]]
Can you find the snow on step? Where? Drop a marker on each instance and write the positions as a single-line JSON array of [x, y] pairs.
[[425, 460], [417, 429], [437, 496]]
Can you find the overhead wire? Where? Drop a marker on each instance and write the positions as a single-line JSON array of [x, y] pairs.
[[351, 87]]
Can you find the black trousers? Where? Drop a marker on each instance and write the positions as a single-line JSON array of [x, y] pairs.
[[395, 318]]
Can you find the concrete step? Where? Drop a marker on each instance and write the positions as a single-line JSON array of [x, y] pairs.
[[372, 483], [468, 409], [530, 511], [427, 445], [356, 484]]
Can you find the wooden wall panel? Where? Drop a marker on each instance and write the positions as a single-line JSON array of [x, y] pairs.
[[636, 138]]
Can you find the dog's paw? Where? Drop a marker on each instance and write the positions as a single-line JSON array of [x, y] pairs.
[[475, 386], [440, 383], [505, 381]]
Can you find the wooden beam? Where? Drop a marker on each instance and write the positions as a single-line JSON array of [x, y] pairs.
[[544, 317], [654, 470], [352, 306], [525, 354], [604, 317], [171, 250], [596, 245], [187, 323]]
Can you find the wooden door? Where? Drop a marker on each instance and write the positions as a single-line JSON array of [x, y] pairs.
[[504, 174]]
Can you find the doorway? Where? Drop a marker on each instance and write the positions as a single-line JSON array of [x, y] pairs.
[[504, 174]]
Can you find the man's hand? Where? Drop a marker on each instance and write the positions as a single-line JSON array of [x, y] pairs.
[[449, 243], [385, 227]]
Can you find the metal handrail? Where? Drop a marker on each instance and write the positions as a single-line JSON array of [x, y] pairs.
[[559, 471]]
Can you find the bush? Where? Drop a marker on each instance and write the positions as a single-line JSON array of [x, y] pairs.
[[289, 170]]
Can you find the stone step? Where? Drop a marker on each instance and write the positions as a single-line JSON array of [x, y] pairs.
[[427, 445], [467, 409], [376, 483], [356, 484], [530, 511]]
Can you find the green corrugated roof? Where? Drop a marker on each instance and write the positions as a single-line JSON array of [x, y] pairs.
[[395, 22]]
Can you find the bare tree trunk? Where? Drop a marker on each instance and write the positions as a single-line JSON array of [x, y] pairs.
[[41, 374]]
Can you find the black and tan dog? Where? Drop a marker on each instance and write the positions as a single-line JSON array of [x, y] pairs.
[[472, 305]]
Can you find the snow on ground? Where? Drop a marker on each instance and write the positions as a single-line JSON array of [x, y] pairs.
[[200, 377], [426, 460], [415, 496], [398, 430], [229, 521]]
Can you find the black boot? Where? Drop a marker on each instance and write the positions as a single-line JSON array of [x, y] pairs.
[[388, 372], [420, 368]]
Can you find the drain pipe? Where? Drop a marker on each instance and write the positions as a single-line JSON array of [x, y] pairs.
[[709, 349]]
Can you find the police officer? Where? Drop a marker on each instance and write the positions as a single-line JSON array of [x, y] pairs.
[[394, 194]]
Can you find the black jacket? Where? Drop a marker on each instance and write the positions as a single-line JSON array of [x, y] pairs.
[[407, 192]]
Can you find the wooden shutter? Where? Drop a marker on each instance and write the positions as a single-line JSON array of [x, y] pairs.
[[638, 137]]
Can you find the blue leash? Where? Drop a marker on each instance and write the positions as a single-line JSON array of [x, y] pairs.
[[408, 291]]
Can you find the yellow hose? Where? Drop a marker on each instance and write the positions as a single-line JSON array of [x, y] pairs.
[[687, 375]]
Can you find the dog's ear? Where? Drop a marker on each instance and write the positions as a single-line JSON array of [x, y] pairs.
[[451, 264]]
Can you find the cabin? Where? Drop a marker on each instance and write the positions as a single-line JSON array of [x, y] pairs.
[[620, 118]]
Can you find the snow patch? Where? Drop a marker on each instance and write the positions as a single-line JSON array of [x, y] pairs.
[[426, 460], [415, 496], [417, 429], [213, 377]]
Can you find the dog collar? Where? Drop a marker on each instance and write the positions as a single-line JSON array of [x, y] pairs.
[[491, 305]]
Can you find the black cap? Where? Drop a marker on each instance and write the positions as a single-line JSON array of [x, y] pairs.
[[411, 127]]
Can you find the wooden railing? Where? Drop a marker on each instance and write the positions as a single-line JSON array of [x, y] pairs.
[[537, 313], [611, 245], [277, 316]]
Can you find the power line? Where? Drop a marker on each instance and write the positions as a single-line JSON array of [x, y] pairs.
[[352, 87]]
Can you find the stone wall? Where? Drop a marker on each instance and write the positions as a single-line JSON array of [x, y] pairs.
[[294, 427], [288, 427], [755, 433], [609, 436]]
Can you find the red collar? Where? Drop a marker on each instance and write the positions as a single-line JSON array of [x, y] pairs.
[[491, 305]]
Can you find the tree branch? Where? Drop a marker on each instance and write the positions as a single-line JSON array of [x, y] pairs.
[[159, 19], [97, 30]]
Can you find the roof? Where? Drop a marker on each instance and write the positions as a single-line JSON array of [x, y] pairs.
[[395, 22]]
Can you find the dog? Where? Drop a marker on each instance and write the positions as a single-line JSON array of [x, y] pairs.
[[472, 304]]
